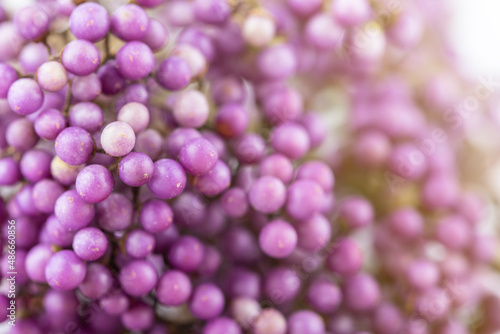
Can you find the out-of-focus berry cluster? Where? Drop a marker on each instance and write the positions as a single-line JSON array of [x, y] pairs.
[[227, 167]]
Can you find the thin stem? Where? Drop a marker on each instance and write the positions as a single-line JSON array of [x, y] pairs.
[[107, 52], [135, 195], [67, 103], [114, 166]]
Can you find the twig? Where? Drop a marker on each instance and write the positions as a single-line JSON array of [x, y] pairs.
[[67, 103]]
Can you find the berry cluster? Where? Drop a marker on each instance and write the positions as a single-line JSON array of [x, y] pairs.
[[169, 166]]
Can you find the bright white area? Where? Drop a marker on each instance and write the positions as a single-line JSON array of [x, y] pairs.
[[475, 31]]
